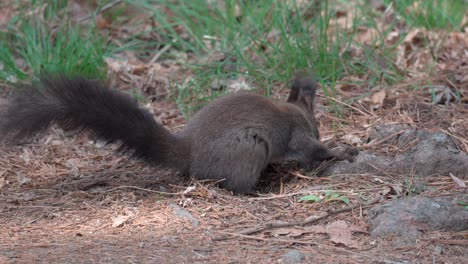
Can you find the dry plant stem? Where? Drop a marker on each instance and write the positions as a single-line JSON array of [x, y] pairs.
[[385, 139], [293, 194], [160, 53], [306, 221], [290, 241], [451, 242], [350, 106], [141, 189]]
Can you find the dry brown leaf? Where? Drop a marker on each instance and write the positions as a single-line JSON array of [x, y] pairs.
[[189, 189], [376, 100], [289, 232], [398, 189], [378, 97], [393, 37], [386, 190], [116, 65], [297, 233], [120, 220], [455, 179], [281, 232], [340, 232], [352, 139], [367, 35]]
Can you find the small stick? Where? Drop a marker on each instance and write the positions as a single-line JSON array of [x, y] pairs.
[[160, 52], [385, 139], [141, 189], [291, 241], [348, 105], [308, 191], [450, 242], [304, 222]]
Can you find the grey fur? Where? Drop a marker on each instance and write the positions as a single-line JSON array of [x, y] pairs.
[[232, 139]]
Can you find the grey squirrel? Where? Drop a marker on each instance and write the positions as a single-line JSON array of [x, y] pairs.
[[232, 139]]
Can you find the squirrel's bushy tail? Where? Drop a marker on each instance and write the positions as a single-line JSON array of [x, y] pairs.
[[87, 105]]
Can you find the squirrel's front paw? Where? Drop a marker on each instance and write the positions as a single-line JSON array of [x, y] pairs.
[[347, 153], [350, 153]]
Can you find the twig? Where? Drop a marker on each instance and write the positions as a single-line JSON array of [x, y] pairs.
[[384, 139], [291, 241], [308, 191], [306, 221], [141, 189], [451, 242], [298, 175], [160, 52], [348, 105]]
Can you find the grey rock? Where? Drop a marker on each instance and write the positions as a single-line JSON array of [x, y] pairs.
[[427, 153], [180, 212], [407, 218], [292, 256]]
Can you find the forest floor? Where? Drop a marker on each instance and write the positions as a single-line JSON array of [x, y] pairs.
[[67, 199]]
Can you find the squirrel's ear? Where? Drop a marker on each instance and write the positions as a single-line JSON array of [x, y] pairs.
[[303, 91]]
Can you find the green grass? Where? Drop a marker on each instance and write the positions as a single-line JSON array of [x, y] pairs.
[[66, 50], [31, 46], [266, 42], [431, 14]]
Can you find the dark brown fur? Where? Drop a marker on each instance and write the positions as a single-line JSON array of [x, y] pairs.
[[232, 139]]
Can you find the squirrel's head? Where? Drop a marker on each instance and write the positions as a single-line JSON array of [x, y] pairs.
[[302, 95]]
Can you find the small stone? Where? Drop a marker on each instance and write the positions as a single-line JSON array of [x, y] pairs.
[[292, 256], [179, 211]]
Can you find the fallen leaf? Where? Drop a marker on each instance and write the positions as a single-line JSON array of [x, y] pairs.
[[397, 188], [377, 99], [386, 190], [289, 232], [120, 220], [455, 179], [297, 233], [189, 189], [340, 232], [116, 65], [352, 139], [281, 232]]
